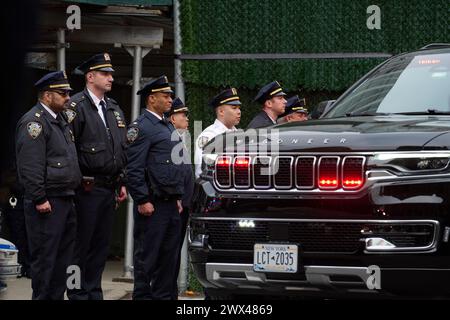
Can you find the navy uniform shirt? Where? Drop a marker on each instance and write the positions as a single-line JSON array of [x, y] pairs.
[[46, 156], [261, 120], [151, 171], [101, 152]]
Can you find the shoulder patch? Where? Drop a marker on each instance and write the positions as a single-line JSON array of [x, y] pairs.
[[70, 114], [132, 134], [202, 141], [34, 129]]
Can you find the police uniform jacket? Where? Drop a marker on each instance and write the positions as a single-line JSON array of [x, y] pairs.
[[261, 120], [151, 171], [99, 153], [46, 156]]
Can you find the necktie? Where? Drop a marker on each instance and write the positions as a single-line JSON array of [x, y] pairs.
[[103, 105], [62, 124], [60, 120]]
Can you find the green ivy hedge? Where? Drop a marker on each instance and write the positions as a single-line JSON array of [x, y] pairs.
[[296, 26], [274, 26]]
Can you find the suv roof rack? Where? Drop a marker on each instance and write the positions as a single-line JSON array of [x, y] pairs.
[[436, 46]]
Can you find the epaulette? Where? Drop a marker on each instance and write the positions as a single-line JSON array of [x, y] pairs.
[[111, 100], [76, 99], [39, 113]]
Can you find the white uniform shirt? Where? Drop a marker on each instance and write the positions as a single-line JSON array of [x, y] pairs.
[[210, 132], [96, 101], [53, 114]]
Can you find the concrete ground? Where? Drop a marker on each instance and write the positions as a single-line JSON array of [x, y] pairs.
[[20, 289]]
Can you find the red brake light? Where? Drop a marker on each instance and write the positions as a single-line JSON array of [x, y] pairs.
[[242, 162], [352, 183], [223, 162], [325, 182], [223, 171], [328, 173], [241, 171], [353, 172]]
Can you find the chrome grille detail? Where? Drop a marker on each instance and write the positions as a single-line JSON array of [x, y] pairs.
[[283, 168], [332, 236], [261, 165], [328, 175], [288, 172], [352, 171], [241, 172], [305, 168], [223, 172]]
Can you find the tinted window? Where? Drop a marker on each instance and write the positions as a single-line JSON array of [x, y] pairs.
[[404, 84]]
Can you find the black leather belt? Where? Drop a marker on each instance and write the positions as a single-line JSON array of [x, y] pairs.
[[105, 181], [109, 182]]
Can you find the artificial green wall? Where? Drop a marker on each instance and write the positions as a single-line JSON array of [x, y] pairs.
[[297, 26]]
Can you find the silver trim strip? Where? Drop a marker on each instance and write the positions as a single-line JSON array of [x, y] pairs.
[[315, 276]]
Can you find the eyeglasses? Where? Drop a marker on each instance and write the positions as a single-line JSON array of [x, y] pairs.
[[62, 93]]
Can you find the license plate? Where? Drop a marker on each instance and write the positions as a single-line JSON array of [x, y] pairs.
[[270, 257]]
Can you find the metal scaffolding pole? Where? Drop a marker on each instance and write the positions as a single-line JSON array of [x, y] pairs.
[[61, 50], [179, 84], [138, 53], [179, 90]]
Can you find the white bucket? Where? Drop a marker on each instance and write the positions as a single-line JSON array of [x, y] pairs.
[[9, 267]]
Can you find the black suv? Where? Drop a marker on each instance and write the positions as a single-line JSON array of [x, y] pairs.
[[355, 203]]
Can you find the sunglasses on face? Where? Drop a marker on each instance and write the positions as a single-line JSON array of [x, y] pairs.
[[62, 93]]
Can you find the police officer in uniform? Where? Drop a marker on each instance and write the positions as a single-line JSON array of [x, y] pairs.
[[227, 107], [271, 97], [178, 116], [100, 135], [295, 110], [156, 184], [48, 171]]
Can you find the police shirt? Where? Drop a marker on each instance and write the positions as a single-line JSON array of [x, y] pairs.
[[209, 133]]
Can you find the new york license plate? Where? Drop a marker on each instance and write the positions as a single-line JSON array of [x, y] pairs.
[[271, 257]]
